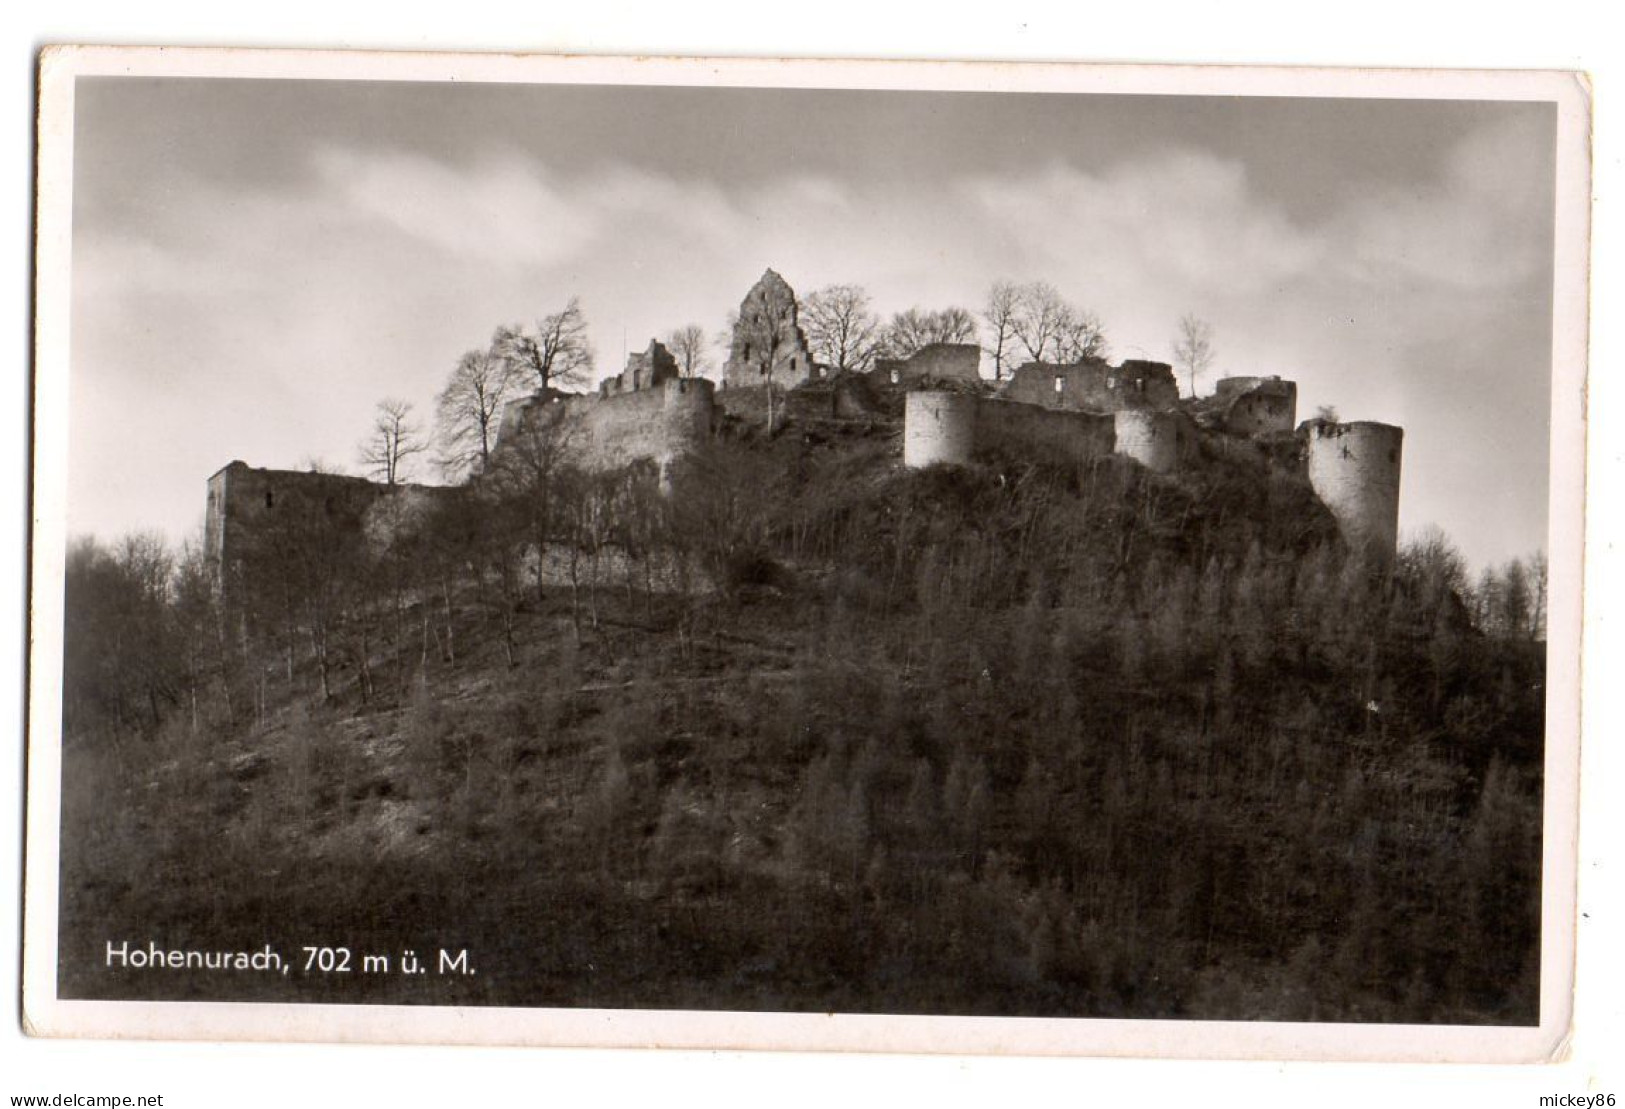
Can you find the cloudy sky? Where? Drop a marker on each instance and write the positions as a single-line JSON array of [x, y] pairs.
[[257, 263]]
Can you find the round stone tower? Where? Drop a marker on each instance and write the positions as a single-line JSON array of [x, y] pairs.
[[938, 427], [1354, 469], [1150, 438]]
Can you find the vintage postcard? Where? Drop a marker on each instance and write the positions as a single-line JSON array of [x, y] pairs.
[[852, 556]]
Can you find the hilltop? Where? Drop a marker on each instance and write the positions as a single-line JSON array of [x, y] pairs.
[[782, 723]]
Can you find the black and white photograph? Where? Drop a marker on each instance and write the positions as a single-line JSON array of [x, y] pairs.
[[676, 541]]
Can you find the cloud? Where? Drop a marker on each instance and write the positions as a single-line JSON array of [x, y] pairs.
[[368, 275], [510, 209], [1182, 218], [1483, 224], [501, 209]]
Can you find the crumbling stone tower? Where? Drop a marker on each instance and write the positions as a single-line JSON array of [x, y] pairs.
[[1257, 405], [1354, 469], [768, 347]]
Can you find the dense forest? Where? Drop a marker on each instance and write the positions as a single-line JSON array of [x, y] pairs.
[[807, 731]]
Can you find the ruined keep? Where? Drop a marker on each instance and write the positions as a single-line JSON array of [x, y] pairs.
[[933, 362], [768, 346], [1354, 469]]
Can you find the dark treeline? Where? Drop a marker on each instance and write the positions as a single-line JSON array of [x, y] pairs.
[[807, 732]]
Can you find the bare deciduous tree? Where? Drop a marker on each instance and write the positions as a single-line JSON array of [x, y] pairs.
[[1079, 335], [557, 352], [1003, 305], [1193, 348], [396, 437], [1036, 320], [469, 410], [1040, 315], [841, 330], [689, 346], [915, 329]]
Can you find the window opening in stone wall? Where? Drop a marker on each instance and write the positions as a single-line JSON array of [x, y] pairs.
[[1060, 383], [270, 498]]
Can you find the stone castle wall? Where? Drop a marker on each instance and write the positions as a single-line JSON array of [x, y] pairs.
[[1094, 386], [951, 428], [1355, 469], [244, 502], [604, 432], [1015, 427], [846, 396], [260, 513], [935, 362], [251, 512]]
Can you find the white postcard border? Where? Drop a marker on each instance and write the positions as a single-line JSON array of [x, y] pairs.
[[46, 1014]]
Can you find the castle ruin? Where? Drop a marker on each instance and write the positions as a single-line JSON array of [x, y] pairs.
[[1089, 409], [649, 413], [768, 345]]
